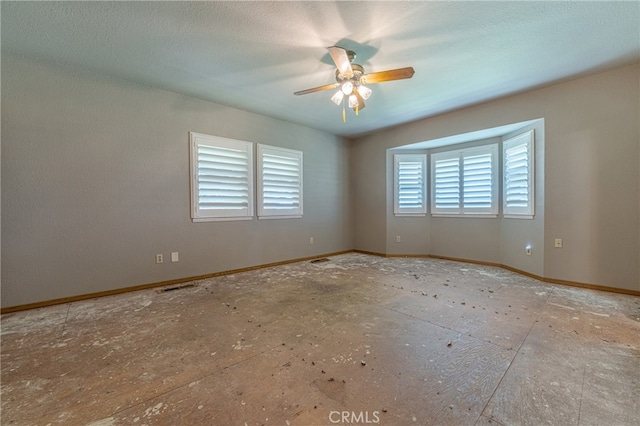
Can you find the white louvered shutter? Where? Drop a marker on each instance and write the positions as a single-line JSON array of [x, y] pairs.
[[478, 182], [222, 178], [410, 184], [518, 175], [279, 182], [465, 181], [446, 183]]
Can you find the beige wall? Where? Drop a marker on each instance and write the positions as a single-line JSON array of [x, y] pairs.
[[495, 240], [95, 182], [589, 195], [465, 238]]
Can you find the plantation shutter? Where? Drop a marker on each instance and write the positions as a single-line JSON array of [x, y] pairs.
[[279, 182], [465, 181], [446, 184], [222, 178], [518, 175], [478, 182], [410, 184]]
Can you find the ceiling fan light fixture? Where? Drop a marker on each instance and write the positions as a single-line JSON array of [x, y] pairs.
[[364, 91], [353, 101], [347, 87], [351, 80], [337, 97]]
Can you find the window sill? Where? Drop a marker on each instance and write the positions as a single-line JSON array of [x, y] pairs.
[[219, 219], [281, 217], [518, 216], [467, 216]]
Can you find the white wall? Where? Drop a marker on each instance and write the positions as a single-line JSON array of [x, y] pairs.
[[591, 191], [95, 182]]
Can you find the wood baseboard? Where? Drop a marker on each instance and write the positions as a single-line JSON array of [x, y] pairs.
[[63, 300], [417, 256], [98, 294], [474, 262], [371, 253], [592, 286], [518, 271]]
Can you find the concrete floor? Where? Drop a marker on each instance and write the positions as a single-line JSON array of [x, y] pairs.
[[357, 339]]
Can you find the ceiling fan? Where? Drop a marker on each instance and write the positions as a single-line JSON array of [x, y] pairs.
[[351, 80]]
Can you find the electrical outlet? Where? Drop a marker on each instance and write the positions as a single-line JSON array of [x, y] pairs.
[[174, 256], [558, 243], [310, 240], [159, 258], [398, 239], [527, 249]]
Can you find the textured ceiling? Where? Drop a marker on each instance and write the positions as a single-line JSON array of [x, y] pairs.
[[254, 55]]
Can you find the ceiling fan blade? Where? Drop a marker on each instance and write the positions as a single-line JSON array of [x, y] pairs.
[[317, 89], [341, 59], [389, 75]]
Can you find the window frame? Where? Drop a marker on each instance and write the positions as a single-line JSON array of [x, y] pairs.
[[461, 210], [515, 212], [198, 214], [398, 209], [293, 156]]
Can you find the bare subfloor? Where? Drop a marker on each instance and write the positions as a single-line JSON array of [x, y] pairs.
[[356, 339]]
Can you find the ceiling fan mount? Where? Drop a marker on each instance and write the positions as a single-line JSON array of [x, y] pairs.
[[358, 71], [351, 80], [351, 55]]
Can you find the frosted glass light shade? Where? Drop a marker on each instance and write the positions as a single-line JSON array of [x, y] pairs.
[[364, 91], [347, 87], [353, 101], [337, 97]]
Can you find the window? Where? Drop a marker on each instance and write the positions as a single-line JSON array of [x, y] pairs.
[[464, 182], [410, 184], [517, 188], [445, 169], [222, 178], [279, 182]]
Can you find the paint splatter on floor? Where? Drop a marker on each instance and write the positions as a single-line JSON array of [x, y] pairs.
[[356, 334]]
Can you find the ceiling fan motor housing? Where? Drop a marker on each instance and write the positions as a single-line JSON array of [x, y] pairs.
[[358, 71]]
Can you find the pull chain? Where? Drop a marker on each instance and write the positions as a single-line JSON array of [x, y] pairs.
[[344, 114]]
